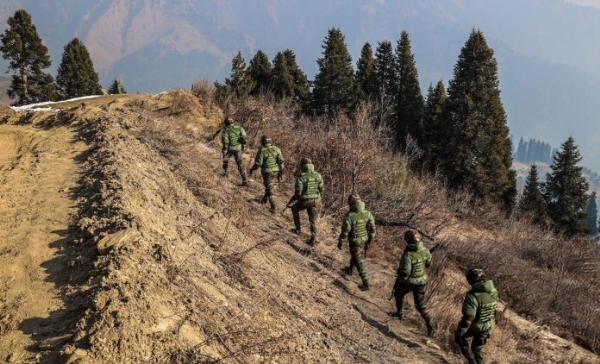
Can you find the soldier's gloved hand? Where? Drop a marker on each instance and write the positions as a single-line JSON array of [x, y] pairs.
[[340, 244], [280, 175]]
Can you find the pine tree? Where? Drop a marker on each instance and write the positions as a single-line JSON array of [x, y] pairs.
[[479, 155], [76, 76], [565, 191], [434, 125], [116, 88], [27, 57], [260, 69], [386, 82], [521, 150], [283, 82], [334, 90], [409, 100], [591, 214], [300, 81], [532, 201], [239, 84], [365, 78]]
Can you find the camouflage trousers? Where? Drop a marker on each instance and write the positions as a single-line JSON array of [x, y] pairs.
[[357, 255], [269, 183], [401, 289], [237, 156], [313, 213], [473, 354]]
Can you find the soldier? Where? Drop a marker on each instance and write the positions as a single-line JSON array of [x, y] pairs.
[[307, 194], [359, 228], [270, 160], [412, 277], [479, 316], [233, 140]]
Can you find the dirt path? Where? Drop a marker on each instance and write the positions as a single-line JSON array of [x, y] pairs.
[[37, 171]]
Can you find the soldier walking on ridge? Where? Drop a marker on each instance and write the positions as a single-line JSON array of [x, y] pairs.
[[479, 316], [359, 227], [233, 140], [270, 161], [307, 195], [412, 277]]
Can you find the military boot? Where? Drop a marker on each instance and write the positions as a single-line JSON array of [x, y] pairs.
[[296, 231], [365, 285], [312, 241], [430, 329]]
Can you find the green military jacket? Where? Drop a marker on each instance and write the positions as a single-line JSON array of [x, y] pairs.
[[309, 184], [233, 138], [358, 225], [269, 159], [480, 303], [414, 260]]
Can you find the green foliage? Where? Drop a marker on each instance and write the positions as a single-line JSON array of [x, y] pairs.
[[333, 90], [565, 191], [532, 201], [27, 57], [478, 146], [386, 82], [283, 82], [76, 76], [301, 85], [239, 84], [116, 88], [434, 126], [260, 69], [591, 214], [365, 79], [409, 100]]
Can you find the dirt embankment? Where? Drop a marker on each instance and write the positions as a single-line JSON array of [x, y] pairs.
[[142, 252]]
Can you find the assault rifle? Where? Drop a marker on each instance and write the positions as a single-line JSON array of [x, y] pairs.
[[290, 203]]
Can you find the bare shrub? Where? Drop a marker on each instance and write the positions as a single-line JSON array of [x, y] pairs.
[[203, 90]]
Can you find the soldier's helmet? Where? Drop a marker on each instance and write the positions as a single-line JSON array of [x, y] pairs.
[[305, 161], [353, 198], [265, 140], [475, 275], [228, 120], [412, 236]]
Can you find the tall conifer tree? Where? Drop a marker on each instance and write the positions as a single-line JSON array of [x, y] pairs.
[[479, 153], [301, 84], [365, 79], [260, 69], [591, 214], [434, 125], [334, 90], [409, 99], [386, 82], [532, 201], [76, 76], [565, 190], [239, 84], [283, 82], [27, 57]]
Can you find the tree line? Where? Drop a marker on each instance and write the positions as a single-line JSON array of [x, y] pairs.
[[28, 58], [460, 131]]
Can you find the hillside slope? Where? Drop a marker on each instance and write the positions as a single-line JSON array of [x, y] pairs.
[[164, 260]]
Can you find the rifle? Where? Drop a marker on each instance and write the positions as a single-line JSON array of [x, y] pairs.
[[404, 224], [290, 203]]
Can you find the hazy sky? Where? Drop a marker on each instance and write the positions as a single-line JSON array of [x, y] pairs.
[[594, 3]]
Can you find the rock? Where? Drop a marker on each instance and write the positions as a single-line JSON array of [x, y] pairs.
[[54, 342], [117, 240]]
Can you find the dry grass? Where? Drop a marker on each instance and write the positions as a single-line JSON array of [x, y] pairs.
[[549, 280]]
